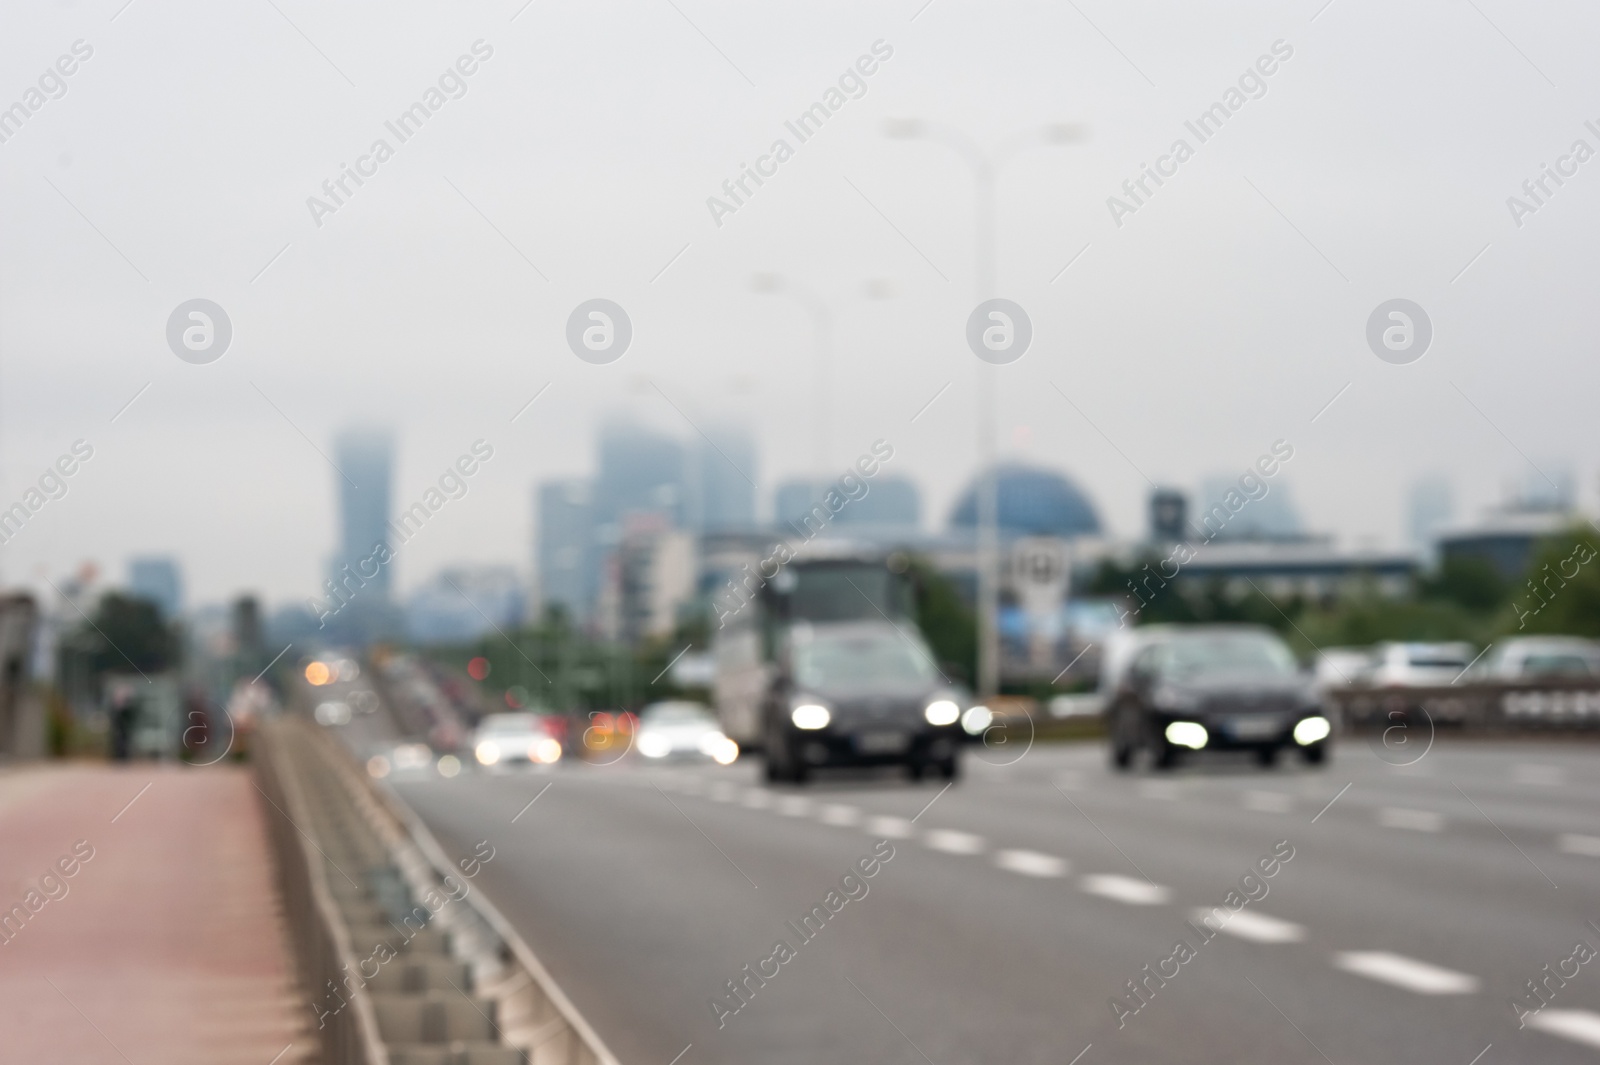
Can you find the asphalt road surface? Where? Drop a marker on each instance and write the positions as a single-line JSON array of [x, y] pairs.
[[1021, 901]]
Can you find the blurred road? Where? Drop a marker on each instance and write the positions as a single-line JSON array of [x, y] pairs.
[[1022, 899]]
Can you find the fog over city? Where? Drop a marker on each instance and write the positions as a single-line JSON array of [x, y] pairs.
[[1223, 312]]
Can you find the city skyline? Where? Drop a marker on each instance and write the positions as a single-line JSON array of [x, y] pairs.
[[537, 578]]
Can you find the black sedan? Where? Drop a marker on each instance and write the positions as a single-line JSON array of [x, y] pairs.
[[1216, 687]]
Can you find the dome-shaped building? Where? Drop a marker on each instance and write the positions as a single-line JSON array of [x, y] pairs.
[[1032, 502]]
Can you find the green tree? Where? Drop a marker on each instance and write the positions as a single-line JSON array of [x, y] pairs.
[[128, 633], [1562, 591], [949, 625], [1470, 582]]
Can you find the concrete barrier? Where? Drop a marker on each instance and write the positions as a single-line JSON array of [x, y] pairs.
[[1490, 707], [394, 981]]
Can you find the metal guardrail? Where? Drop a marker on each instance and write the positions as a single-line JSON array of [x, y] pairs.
[[1493, 706], [462, 988]]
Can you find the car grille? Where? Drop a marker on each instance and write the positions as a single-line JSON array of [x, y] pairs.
[[858, 713], [1250, 704]]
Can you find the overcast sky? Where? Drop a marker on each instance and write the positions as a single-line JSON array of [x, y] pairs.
[[1220, 316]]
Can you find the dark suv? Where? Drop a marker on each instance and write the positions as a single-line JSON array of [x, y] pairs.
[[862, 693], [1216, 687]]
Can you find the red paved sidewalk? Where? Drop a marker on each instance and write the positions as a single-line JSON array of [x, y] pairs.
[[166, 947]]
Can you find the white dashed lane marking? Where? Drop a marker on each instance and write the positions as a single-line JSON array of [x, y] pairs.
[[1268, 802], [1588, 846], [953, 842], [1251, 925], [794, 806], [757, 799], [890, 827], [841, 815], [1031, 863], [1414, 820], [1125, 889], [1580, 1026], [1409, 973]]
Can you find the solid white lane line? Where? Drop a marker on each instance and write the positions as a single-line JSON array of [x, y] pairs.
[[794, 806], [1414, 820], [1588, 846], [841, 815], [1580, 1026], [890, 827], [1268, 802], [953, 842], [1125, 889], [1409, 973], [1031, 863], [1252, 925]]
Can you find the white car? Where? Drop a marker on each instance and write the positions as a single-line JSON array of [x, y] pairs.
[[1523, 658], [502, 741], [1342, 667], [1419, 665], [681, 729]]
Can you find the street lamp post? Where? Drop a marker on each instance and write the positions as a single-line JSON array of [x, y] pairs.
[[984, 167]]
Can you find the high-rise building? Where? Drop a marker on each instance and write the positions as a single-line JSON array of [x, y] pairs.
[[1227, 513], [1169, 516], [892, 505], [365, 458], [1550, 486], [792, 501], [1429, 510], [640, 472], [463, 603], [156, 580], [723, 470], [567, 557]]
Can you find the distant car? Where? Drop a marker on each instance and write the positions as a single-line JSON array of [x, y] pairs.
[[1342, 667], [503, 741], [1532, 658], [406, 759], [682, 730], [1418, 665], [1216, 687]]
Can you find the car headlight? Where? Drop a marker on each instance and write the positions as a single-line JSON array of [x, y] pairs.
[[1309, 730], [654, 745], [711, 742], [725, 752], [546, 751], [810, 716], [488, 752], [1175, 699], [976, 720], [941, 712], [1190, 734]]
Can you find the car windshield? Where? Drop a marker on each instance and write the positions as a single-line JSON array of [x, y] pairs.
[[1436, 660], [860, 660], [1195, 656], [1556, 665]]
